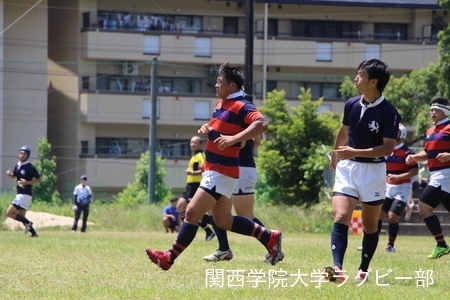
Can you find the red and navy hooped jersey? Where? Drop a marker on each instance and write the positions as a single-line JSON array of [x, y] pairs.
[[395, 163], [380, 120], [229, 118], [437, 141]]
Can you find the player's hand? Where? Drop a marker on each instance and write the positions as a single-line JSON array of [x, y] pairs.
[[74, 208], [410, 159], [333, 161], [8, 172], [391, 178], [443, 157], [224, 141], [345, 152], [22, 182], [205, 129]]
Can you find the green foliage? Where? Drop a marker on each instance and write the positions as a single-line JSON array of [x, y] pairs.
[[291, 160], [137, 192], [444, 61], [348, 88], [46, 191]]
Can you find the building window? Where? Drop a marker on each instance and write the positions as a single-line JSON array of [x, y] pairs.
[[390, 31], [326, 29], [373, 51], [117, 146], [202, 110], [272, 27], [270, 86], [328, 90], [230, 25], [85, 83], [151, 44], [147, 108], [323, 51], [203, 47], [174, 148]]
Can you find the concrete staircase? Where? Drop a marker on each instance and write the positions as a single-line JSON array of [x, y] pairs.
[[416, 226]]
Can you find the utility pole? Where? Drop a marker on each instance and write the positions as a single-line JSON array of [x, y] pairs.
[[152, 133], [249, 38]]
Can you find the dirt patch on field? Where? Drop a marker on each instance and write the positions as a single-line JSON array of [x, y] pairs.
[[41, 219]]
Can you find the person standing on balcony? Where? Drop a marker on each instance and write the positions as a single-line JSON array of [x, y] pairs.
[[437, 153], [194, 176], [26, 175], [398, 187], [234, 121], [82, 201], [368, 133]]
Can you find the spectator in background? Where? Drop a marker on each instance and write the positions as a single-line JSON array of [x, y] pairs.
[[82, 200], [170, 218], [424, 175]]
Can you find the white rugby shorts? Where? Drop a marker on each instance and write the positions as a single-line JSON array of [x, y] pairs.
[[247, 180], [401, 192], [363, 181], [22, 200], [440, 178], [224, 184]]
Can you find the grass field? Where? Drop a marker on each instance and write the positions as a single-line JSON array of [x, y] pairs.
[[105, 264]]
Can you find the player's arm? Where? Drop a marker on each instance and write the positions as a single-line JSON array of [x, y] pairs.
[[340, 140], [383, 150], [10, 174], [421, 156], [407, 175], [255, 129], [30, 182], [256, 142]]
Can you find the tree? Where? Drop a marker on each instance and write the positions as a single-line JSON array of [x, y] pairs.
[[137, 192], [46, 191], [291, 160]]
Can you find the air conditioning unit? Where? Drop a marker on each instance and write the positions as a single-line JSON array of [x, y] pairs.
[[130, 68]]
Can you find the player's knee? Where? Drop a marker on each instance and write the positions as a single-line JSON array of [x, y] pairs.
[[193, 216], [223, 223]]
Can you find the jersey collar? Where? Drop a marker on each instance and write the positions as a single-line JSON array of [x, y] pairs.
[[399, 146], [373, 104], [441, 122], [235, 95]]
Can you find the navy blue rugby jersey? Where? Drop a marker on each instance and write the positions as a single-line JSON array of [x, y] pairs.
[[380, 120], [246, 155], [28, 172]]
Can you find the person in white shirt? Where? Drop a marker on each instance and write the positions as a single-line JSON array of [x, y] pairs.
[[82, 200]]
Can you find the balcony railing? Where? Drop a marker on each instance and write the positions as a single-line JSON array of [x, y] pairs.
[[319, 29], [133, 148], [142, 84]]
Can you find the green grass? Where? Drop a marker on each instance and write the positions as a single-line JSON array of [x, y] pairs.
[[109, 262], [106, 264]]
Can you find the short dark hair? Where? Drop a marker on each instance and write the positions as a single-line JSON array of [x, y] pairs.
[[173, 199], [440, 100], [377, 69], [232, 74]]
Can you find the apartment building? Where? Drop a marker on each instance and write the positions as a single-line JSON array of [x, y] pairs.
[[96, 98]]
